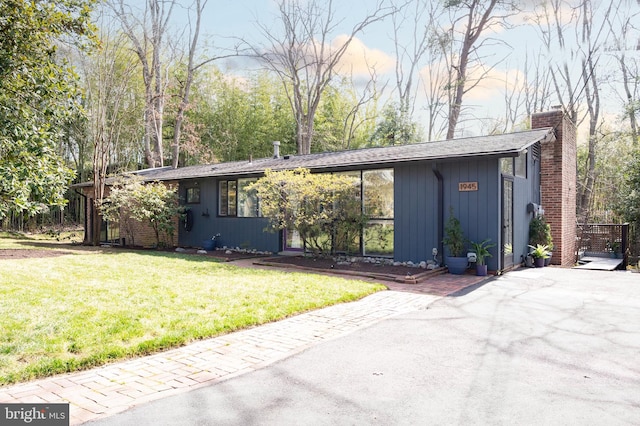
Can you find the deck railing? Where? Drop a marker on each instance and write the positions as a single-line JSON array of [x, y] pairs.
[[604, 240]]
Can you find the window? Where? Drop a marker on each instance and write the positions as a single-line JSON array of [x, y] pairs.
[[378, 204], [227, 198], [521, 164], [235, 200], [516, 166], [247, 200], [506, 166], [378, 193], [193, 195], [378, 238]]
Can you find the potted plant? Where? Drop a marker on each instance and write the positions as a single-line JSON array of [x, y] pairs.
[[210, 245], [454, 240], [615, 250], [539, 253], [540, 234], [481, 250]]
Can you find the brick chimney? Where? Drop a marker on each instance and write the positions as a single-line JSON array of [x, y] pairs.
[[558, 183]]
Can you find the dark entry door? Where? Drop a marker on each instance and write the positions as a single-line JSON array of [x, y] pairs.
[[507, 222]]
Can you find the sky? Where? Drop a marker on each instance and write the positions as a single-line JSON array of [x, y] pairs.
[[226, 21]]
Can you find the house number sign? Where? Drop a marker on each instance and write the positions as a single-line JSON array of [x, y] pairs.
[[467, 186]]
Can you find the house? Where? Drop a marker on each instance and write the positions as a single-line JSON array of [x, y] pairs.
[[495, 185]]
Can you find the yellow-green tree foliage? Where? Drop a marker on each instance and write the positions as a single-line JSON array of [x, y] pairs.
[[154, 203], [324, 208]]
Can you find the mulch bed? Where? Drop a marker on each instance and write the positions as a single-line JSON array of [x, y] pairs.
[[29, 254], [390, 272]]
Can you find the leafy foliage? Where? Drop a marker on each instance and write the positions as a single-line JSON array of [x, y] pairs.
[[628, 205], [481, 250], [540, 232], [154, 203], [324, 208], [242, 118], [395, 128], [454, 237], [540, 251], [38, 92]]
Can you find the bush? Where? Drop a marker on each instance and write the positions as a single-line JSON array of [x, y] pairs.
[[540, 233], [154, 203], [324, 208]]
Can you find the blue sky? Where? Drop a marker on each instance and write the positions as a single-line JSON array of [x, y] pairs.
[[227, 20]]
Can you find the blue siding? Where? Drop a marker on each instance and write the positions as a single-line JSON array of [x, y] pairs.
[[479, 211], [243, 232], [415, 215], [416, 212], [416, 207]]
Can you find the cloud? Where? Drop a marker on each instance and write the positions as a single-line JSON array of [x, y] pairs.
[[494, 82], [491, 83], [359, 59]]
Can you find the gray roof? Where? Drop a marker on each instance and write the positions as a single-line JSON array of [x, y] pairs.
[[509, 144]]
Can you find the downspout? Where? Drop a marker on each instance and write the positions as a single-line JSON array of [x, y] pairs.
[[85, 216], [440, 208]]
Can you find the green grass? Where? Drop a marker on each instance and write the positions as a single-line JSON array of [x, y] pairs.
[[71, 312]]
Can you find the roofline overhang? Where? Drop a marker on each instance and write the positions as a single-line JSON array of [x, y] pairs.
[[548, 137]]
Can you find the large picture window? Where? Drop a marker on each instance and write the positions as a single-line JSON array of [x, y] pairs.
[[247, 200], [378, 193], [375, 196]]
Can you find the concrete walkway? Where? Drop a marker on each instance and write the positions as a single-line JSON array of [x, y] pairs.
[[116, 387]]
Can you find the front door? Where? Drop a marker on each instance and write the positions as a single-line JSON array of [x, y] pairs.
[[507, 222]]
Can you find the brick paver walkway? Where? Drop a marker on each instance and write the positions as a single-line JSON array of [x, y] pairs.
[[116, 387]]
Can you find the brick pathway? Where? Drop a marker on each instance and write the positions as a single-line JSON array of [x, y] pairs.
[[116, 387]]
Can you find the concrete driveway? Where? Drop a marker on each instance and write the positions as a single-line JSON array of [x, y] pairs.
[[537, 346]]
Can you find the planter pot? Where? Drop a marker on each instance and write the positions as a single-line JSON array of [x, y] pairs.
[[481, 270], [457, 265], [209, 245], [547, 261], [538, 262]]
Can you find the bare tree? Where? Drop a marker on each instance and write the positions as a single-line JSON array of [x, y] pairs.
[[435, 77], [186, 85], [357, 115], [575, 72], [305, 58], [413, 26], [538, 91], [157, 51], [621, 27], [147, 31], [475, 16]]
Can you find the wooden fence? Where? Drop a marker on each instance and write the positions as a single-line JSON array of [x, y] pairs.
[[604, 240]]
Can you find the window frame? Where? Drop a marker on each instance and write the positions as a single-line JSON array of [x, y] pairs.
[[229, 196]]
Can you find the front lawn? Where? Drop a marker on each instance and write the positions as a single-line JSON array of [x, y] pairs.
[[89, 307]]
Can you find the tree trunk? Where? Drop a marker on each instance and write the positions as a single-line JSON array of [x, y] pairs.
[[471, 35], [175, 152]]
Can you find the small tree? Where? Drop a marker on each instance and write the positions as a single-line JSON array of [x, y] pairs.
[[325, 209], [454, 236], [154, 203]]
